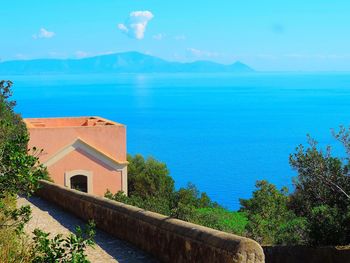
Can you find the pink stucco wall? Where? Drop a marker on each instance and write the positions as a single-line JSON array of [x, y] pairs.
[[104, 177], [54, 134], [110, 139]]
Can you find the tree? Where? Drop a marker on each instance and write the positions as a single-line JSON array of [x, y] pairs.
[[322, 190], [187, 200], [152, 188], [148, 178], [20, 172], [270, 221]]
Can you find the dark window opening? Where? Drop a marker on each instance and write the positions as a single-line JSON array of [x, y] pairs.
[[79, 182]]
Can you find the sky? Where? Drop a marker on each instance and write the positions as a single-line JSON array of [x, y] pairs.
[[268, 35]]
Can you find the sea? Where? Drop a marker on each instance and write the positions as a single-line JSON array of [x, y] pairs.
[[221, 132]]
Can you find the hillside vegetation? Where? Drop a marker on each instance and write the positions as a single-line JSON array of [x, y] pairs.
[[151, 187], [20, 173], [315, 213]]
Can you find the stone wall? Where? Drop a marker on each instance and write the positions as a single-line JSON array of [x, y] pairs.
[[303, 254], [167, 239]]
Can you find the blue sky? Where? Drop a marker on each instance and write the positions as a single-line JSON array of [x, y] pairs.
[[266, 34]]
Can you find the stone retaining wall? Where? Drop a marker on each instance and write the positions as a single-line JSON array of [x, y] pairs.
[[304, 254], [168, 239]]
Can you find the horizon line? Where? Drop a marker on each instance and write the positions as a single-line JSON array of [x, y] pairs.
[[171, 61]]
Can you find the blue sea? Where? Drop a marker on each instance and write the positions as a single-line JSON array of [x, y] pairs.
[[221, 132]]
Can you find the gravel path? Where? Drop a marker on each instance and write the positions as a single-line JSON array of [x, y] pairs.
[[51, 218]]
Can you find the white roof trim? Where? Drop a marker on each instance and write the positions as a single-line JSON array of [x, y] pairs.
[[85, 147]]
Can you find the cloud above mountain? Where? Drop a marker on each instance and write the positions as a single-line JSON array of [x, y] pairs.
[[44, 33], [200, 54], [136, 24]]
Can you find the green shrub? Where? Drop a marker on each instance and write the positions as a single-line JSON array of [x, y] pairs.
[[322, 189], [148, 177], [326, 226], [269, 218], [20, 173], [221, 219], [14, 246], [70, 249], [151, 188]]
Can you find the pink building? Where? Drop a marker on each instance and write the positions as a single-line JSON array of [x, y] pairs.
[[84, 153]]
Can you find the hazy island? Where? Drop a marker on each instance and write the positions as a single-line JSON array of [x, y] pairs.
[[126, 62]]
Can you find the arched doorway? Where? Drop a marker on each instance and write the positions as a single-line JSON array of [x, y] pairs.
[[79, 182]]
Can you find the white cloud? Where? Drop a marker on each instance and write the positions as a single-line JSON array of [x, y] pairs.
[[193, 52], [180, 37], [44, 33], [123, 28], [135, 25], [158, 36]]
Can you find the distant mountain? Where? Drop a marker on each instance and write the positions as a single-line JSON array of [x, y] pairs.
[[128, 62]]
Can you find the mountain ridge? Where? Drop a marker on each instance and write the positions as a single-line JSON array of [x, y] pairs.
[[125, 62]]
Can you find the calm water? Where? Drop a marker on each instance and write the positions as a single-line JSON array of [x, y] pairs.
[[220, 132]]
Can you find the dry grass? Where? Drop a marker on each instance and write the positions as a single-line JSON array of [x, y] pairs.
[[14, 247]]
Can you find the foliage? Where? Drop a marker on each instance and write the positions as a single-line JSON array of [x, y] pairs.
[[63, 249], [154, 204], [221, 219], [151, 188], [10, 216], [186, 200], [148, 177], [14, 247], [20, 173], [328, 226], [321, 179], [317, 212], [270, 221], [321, 192]]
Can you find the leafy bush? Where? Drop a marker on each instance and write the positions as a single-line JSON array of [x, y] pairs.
[[322, 190], [148, 177], [19, 170], [186, 200], [155, 204], [221, 219], [63, 249], [20, 173], [317, 212], [326, 226], [14, 246], [270, 221], [151, 188]]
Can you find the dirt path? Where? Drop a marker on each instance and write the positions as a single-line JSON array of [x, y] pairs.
[[53, 219]]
